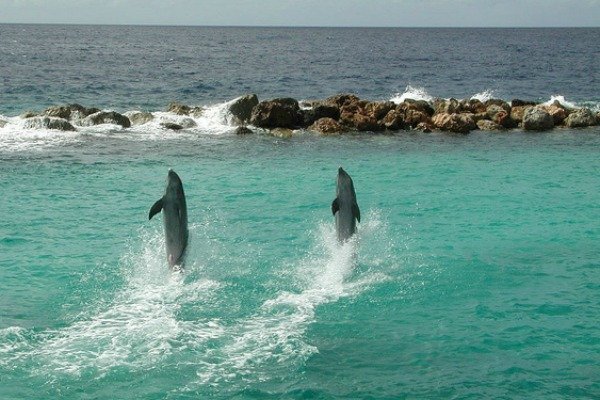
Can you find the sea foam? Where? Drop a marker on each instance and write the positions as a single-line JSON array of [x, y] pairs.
[[412, 93], [484, 96], [136, 329], [274, 337], [562, 100], [215, 119]]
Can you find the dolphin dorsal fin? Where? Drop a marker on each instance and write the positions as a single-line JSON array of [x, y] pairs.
[[356, 211], [156, 208], [335, 206]]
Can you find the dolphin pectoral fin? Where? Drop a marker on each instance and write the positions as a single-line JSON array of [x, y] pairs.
[[335, 206], [156, 208], [356, 211]]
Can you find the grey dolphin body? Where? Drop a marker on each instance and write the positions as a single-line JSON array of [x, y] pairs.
[[344, 207], [174, 211]]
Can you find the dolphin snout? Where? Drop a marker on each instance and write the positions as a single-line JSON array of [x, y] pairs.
[[172, 177]]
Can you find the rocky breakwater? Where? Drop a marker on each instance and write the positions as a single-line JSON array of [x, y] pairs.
[[335, 115], [67, 117], [339, 114], [348, 113]]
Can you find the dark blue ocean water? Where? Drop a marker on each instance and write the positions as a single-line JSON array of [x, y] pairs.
[[474, 273], [146, 67]]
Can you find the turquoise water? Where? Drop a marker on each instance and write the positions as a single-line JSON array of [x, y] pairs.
[[474, 273]]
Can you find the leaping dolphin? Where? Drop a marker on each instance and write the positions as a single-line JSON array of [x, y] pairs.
[[344, 207], [175, 220]]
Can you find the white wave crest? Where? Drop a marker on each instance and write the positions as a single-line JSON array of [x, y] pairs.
[[16, 134], [413, 93], [484, 96], [217, 118], [561, 100]]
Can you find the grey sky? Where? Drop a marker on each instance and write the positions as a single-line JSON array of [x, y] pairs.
[[400, 13]]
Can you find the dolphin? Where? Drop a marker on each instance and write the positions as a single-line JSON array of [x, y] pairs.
[[344, 207], [175, 220]]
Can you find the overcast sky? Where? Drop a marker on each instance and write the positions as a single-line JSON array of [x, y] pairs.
[[398, 13]]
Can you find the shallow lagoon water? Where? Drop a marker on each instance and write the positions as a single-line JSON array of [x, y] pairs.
[[473, 273]]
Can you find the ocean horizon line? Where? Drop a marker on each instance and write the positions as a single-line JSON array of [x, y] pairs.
[[299, 26]]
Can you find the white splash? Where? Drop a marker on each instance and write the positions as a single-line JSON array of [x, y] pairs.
[[138, 329], [212, 120], [13, 340], [413, 93], [16, 135], [275, 334], [216, 118], [561, 100], [484, 96], [141, 325]]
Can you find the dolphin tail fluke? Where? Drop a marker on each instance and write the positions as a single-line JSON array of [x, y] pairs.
[[335, 206], [356, 212], [156, 208]]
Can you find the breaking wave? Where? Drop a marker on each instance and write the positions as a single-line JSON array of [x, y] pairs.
[[412, 93]]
